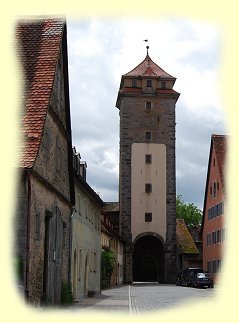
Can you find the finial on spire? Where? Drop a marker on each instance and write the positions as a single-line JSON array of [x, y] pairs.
[[146, 40]]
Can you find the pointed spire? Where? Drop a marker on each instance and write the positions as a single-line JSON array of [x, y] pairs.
[[147, 50]]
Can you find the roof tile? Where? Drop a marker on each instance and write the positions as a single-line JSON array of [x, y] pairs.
[[38, 44]]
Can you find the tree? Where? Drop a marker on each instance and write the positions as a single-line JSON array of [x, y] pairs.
[[189, 212]]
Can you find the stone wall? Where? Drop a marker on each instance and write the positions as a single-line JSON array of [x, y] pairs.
[[49, 195], [135, 121]]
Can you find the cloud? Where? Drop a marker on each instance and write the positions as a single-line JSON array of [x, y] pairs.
[[100, 51]]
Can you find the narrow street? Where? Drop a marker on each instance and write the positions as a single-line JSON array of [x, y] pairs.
[[140, 298]]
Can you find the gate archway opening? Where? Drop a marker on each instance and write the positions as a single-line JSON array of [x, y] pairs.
[[148, 260]]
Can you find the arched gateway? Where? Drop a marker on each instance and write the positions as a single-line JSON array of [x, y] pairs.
[[148, 259], [147, 190]]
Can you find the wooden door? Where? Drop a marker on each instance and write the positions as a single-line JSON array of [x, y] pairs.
[[53, 257]]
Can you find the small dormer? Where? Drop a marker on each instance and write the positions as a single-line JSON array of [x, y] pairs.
[[83, 167]]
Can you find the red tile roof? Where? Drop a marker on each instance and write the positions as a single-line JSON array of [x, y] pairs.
[[38, 44], [148, 68], [220, 146], [184, 239]]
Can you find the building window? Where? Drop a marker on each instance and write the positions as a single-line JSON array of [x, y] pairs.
[[80, 264], [218, 265], [149, 83], [209, 267], [208, 239], [223, 234], [94, 261], [148, 135], [148, 217], [214, 241], [218, 236], [214, 190], [148, 105], [163, 85], [134, 83], [148, 188], [148, 159], [214, 266]]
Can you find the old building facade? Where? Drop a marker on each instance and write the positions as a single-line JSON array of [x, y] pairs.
[[147, 196], [86, 235], [213, 223], [45, 183], [110, 239]]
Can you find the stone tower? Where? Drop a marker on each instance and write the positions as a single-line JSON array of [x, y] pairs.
[[147, 193]]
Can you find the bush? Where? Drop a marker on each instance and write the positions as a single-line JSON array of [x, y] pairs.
[[108, 263], [66, 294], [19, 268]]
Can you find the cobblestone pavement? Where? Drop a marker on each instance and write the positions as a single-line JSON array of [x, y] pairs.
[[142, 298], [151, 297]]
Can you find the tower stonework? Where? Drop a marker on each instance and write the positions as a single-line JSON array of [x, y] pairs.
[[147, 182]]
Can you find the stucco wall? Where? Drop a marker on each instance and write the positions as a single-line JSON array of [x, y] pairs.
[[154, 202], [86, 238]]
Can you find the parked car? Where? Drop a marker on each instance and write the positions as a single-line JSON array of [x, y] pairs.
[[178, 279], [185, 278], [202, 280]]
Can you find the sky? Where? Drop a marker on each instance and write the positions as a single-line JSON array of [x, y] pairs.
[[100, 51]]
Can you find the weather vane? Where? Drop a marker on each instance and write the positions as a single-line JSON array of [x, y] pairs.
[[146, 40]]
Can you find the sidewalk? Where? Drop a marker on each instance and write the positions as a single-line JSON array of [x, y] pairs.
[[113, 299]]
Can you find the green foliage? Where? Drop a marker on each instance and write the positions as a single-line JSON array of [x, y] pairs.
[[66, 294], [189, 212], [19, 268], [108, 264]]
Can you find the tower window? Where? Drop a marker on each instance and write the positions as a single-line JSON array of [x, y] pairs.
[[214, 190], [134, 83], [148, 188], [149, 83], [148, 159], [148, 217], [163, 85], [148, 105], [148, 135]]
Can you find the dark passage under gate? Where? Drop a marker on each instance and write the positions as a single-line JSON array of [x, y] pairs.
[[148, 260]]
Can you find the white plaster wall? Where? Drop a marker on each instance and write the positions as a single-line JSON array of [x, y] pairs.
[[86, 234], [155, 202]]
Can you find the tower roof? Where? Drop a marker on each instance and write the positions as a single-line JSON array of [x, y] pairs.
[[148, 68]]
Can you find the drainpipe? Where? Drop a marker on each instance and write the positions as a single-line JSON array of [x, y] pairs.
[[28, 228], [70, 243]]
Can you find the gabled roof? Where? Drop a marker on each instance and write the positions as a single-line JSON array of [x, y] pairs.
[[111, 207], [148, 68], [38, 45], [220, 146], [184, 239]]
